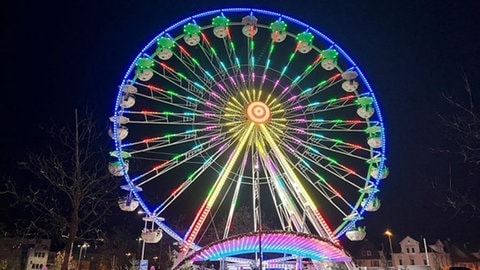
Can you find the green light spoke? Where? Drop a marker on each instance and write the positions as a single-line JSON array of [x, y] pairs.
[[180, 159], [230, 80], [299, 78], [317, 107], [192, 178], [315, 156], [267, 65], [320, 87]]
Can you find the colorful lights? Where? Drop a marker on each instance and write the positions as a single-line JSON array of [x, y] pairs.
[[238, 96], [303, 245]]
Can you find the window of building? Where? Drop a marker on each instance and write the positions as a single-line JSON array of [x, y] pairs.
[[413, 250], [412, 262], [376, 263], [424, 262], [408, 250], [400, 261], [369, 253]]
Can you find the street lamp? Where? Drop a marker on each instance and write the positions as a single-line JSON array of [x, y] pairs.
[[389, 235], [85, 245]]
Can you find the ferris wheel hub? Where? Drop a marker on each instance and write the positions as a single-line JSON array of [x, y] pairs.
[[258, 112]]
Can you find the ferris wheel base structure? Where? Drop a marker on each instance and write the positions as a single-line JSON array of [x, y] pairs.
[[277, 244]]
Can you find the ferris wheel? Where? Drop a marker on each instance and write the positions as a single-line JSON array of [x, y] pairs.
[[245, 115]]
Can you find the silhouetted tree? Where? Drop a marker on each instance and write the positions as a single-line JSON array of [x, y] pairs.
[[461, 123], [73, 191]]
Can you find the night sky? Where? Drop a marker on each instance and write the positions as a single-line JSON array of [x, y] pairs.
[[59, 55]]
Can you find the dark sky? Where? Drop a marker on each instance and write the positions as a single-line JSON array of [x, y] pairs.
[[58, 55]]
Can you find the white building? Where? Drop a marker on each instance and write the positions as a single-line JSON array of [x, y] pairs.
[[37, 255], [23, 253], [413, 256]]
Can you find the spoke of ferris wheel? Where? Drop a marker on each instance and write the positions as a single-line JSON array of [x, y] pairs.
[[194, 62], [284, 70], [320, 184], [222, 71], [229, 47], [168, 143], [317, 107], [211, 198], [324, 188], [313, 213], [235, 195], [173, 163], [250, 61], [166, 140], [288, 208], [167, 97], [315, 156], [340, 147], [289, 185], [191, 87], [331, 125], [267, 65], [320, 87], [299, 78], [192, 178], [282, 212], [173, 118]]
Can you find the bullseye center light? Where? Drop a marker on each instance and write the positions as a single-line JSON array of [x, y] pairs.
[[258, 112]]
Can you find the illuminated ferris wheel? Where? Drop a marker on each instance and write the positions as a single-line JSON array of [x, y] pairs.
[[246, 110]]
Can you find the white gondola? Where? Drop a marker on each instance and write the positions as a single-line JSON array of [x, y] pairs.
[[119, 119], [152, 235], [250, 29], [304, 47], [220, 31], [144, 75], [373, 205], [164, 53], [365, 112], [349, 75], [375, 142], [356, 234], [351, 217], [192, 40], [220, 26], [127, 101], [122, 132], [328, 64], [115, 168], [278, 31], [164, 49], [128, 204], [129, 89], [191, 34], [329, 59], [375, 173], [278, 36], [350, 86]]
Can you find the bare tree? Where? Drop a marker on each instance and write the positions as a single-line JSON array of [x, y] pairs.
[[72, 192], [462, 123]]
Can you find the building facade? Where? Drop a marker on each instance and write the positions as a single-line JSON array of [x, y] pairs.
[[24, 254]]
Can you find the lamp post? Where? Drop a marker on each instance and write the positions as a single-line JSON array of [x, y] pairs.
[[389, 235], [85, 245]]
